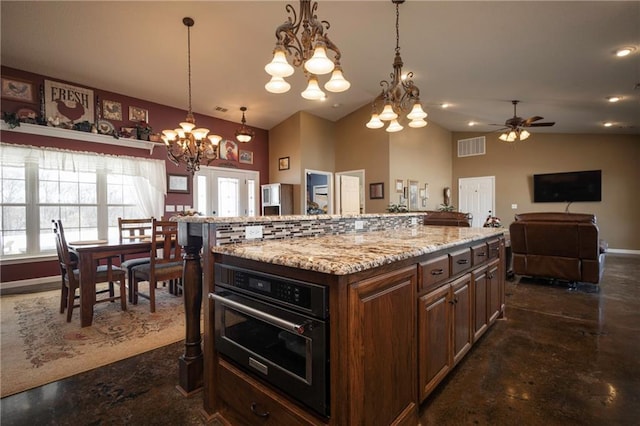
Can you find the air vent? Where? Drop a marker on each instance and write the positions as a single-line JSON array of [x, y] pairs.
[[471, 146], [221, 109]]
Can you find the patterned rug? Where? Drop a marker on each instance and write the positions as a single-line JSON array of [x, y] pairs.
[[38, 346]]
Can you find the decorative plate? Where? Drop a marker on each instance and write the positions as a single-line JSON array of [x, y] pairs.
[[105, 127], [26, 114]]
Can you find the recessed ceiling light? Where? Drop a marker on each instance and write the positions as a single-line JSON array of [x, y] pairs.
[[614, 98], [608, 124], [625, 51], [472, 123], [446, 105]]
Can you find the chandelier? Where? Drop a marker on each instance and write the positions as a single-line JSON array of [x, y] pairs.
[[398, 94], [308, 50], [244, 134], [188, 144]]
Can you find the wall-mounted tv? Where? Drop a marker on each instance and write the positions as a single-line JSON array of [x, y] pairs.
[[567, 187]]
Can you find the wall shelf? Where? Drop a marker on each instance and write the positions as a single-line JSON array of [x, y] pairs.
[[56, 132]]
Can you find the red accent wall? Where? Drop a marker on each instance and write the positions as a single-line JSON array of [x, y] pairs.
[[160, 117]]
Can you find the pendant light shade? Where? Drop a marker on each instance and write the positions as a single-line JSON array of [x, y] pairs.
[[244, 134]]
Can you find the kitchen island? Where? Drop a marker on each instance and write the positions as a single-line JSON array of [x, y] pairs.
[[404, 303]]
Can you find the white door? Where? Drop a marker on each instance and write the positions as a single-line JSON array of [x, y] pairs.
[[226, 193], [359, 174], [349, 195], [477, 196]]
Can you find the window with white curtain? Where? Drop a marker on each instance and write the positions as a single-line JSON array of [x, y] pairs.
[[87, 191]]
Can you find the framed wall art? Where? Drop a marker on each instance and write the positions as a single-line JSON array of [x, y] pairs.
[[15, 89], [413, 194], [283, 163], [180, 184], [399, 185], [246, 157], [376, 190], [228, 150], [138, 114], [128, 133], [70, 104], [111, 110]]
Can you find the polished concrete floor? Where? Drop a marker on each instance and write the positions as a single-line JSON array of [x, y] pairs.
[[561, 356]]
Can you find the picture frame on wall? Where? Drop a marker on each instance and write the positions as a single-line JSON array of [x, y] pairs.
[[413, 194], [399, 185], [14, 89], [111, 110], [246, 157], [179, 184], [67, 103], [138, 114], [283, 163], [128, 133], [376, 190]]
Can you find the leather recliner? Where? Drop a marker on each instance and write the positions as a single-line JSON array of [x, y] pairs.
[[563, 246]]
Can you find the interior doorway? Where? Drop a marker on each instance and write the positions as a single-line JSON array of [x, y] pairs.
[[350, 192], [319, 192], [223, 192], [477, 196]]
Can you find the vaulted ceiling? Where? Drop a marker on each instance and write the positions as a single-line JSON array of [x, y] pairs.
[[557, 58]]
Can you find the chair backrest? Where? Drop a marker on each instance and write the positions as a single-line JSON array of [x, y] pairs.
[[67, 263], [164, 243], [134, 229]]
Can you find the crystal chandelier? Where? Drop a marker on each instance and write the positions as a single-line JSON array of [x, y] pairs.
[[244, 134], [188, 144], [397, 95], [309, 51]]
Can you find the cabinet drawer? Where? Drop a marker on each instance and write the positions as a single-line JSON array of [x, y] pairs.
[[434, 271], [494, 248], [460, 260], [479, 253], [251, 403]]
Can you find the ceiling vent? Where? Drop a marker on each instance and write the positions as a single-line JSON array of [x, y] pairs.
[[472, 146], [221, 109]]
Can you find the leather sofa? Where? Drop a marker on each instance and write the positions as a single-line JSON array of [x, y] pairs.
[[564, 246], [444, 218]]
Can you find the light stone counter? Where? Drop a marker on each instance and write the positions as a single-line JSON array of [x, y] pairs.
[[348, 253]]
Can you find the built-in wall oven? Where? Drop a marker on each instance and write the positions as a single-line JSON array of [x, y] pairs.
[[277, 329]]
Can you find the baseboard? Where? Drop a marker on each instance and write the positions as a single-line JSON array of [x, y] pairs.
[[30, 285], [623, 251]]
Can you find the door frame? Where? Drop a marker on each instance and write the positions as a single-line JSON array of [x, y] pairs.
[[212, 171], [478, 219], [360, 174], [330, 197]]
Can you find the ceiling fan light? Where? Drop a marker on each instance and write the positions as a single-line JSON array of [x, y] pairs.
[[375, 122], [524, 134], [388, 113], [394, 126], [319, 63], [313, 92], [503, 137], [512, 136], [417, 123], [337, 83], [279, 66], [416, 112]]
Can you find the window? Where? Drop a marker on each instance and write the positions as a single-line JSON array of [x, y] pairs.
[[88, 192]]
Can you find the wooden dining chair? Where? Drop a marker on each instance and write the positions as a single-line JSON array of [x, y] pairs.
[[71, 276], [165, 264], [130, 230]]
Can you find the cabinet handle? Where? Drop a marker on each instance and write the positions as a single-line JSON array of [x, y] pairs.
[[462, 261], [482, 254], [254, 410], [437, 271], [490, 275]]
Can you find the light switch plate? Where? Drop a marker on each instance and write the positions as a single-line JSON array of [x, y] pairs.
[[253, 232], [514, 206]]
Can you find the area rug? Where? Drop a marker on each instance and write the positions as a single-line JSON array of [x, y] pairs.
[[38, 346]]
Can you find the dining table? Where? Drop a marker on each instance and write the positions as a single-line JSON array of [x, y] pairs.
[[90, 253]]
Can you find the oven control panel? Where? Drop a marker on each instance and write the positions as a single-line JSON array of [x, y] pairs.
[[308, 297]]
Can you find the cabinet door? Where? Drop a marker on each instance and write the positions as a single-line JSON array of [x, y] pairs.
[[434, 325], [494, 296], [382, 351], [462, 325], [479, 285]]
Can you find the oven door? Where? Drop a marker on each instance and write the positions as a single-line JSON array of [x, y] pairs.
[[287, 349]]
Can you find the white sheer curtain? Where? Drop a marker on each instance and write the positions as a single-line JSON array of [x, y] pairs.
[[149, 176]]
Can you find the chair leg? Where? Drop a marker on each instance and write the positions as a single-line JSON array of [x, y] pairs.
[[152, 295], [123, 295], [63, 297], [71, 294], [134, 290]]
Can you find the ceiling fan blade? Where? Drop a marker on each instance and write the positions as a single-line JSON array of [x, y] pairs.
[[547, 124], [530, 120]]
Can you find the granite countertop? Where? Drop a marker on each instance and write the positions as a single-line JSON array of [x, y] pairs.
[[276, 218], [355, 252]]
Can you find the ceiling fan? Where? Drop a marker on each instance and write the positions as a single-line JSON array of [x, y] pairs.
[[514, 127]]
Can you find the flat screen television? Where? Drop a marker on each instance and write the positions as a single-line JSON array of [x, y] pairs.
[[567, 187]]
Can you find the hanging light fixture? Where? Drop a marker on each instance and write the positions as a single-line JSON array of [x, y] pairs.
[[309, 50], [397, 95], [244, 134], [513, 135], [188, 144]]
